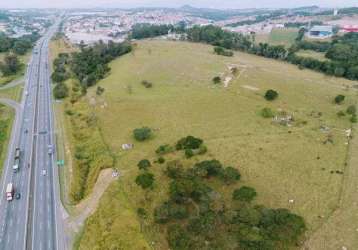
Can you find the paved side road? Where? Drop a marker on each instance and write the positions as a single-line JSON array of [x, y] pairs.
[[13, 83]]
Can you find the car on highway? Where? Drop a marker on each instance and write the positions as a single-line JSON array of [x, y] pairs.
[[17, 196], [50, 150], [43, 172]]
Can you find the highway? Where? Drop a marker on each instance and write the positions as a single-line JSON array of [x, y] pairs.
[[35, 220]]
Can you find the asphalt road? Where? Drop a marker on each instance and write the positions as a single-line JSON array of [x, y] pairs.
[[34, 221]]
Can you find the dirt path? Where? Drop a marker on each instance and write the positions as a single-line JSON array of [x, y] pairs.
[[340, 231], [89, 205]]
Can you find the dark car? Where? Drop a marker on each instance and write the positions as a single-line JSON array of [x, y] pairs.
[[17, 196]]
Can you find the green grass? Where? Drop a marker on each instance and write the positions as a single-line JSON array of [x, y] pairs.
[[277, 36], [6, 120], [281, 162], [313, 54], [14, 93]]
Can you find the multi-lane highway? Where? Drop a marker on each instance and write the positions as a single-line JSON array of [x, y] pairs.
[[35, 220]]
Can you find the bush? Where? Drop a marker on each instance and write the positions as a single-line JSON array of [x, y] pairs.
[[339, 99], [142, 134], [352, 110], [147, 84], [267, 113], [99, 90], [60, 91], [164, 149], [354, 119], [230, 175], [271, 95], [142, 213], [145, 180], [216, 80], [189, 142], [189, 153], [161, 160], [174, 169], [202, 149], [144, 164], [244, 194]]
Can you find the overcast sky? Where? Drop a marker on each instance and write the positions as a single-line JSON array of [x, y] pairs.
[[173, 3]]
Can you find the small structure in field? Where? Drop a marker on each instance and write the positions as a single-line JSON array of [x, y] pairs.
[[127, 146]]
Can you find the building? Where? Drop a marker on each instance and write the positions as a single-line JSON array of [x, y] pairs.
[[350, 28], [320, 32]]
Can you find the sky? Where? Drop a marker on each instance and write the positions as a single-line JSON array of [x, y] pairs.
[[237, 4]]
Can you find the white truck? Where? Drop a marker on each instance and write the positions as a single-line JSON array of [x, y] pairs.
[[9, 192]]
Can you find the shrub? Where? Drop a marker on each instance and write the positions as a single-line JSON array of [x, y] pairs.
[[174, 169], [202, 149], [145, 180], [142, 134], [147, 84], [230, 175], [164, 149], [60, 91], [144, 164], [352, 110], [189, 153], [271, 95], [99, 90], [189, 142], [161, 160], [267, 113], [142, 213], [216, 80], [354, 119], [244, 194], [339, 99]]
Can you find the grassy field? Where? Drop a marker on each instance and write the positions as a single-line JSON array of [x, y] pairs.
[[277, 36], [7, 115], [281, 162], [312, 54], [14, 93]]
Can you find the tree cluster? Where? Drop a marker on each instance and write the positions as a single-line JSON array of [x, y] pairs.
[[60, 75], [196, 217], [141, 31], [19, 45], [343, 51], [11, 65], [91, 64]]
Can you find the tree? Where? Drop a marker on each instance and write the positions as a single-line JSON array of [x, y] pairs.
[[60, 91], [216, 80], [178, 238], [339, 99], [189, 142], [244, 194], [145, 180], [142, 134], [271, 95], [11, 65], [230, 175], [267, 113], [144, 164]]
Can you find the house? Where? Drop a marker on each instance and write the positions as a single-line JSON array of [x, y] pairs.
[[321, 32]]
